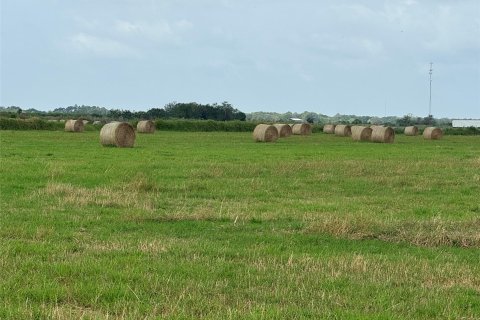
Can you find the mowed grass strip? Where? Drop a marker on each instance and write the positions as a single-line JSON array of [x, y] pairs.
[[189, 225]]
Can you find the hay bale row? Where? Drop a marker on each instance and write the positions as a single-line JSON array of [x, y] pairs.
[[411, 131], [329, 128], [146, 126], [284, 130], [303, 129], [432, 133], [118, 134], [383, 134], [342, 130], [74, 126], [265, 133], [360, 133]]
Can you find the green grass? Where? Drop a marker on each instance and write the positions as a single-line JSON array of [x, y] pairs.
[[212, 225]]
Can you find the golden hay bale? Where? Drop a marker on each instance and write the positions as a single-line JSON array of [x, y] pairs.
[[85, 121], [97, 123], [119, 134], [411, 131], [303, 129], [265, 133], [284, 130], [329, 128], [343, 130], [360, 133], [432, 133], [383, 134], [74, 126], [146, 126]]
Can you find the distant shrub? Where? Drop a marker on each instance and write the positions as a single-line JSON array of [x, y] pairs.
[[316, 128], [34, 124], [470, 131], [204, 125], [29, 124]]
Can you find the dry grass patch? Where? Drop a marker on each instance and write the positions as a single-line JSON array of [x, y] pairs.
[[137, 194], [152, 246], [427, 233]]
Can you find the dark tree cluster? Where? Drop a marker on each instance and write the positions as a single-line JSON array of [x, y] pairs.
[[409, 120], [174, 110], [191, 110]]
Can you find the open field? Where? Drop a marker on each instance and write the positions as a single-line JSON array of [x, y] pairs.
[[190, 225]]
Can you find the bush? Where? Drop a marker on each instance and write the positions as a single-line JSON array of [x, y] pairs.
[[204, 125], [470, 131], [29, 124], [36, 124]]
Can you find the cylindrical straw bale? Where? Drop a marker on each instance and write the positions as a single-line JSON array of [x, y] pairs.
[[329, 128], [411, 131], [74, 126], [97, 123], [383, 134], [303, 129], [85, 121], [265, 133], [284, 130], [343, 130], [432, 133], [118, 134], [146, 126], [360, 133]]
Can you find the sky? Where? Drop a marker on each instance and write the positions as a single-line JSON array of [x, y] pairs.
[[326, 56]]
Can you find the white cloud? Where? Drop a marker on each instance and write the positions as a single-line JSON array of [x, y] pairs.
[[100, 46], [156, 31]]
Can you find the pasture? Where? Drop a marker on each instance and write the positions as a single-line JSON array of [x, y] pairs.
[[213, 225]]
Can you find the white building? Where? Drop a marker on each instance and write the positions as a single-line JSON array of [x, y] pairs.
[[465, 123]]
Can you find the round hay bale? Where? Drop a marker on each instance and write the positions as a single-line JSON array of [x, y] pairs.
[[265, 133], [432, 133], [343, 130], [118, 134], [411, 131], [383, 134], [97, 123], [303, 129], [360, 133], [146, 126], [74, 126], [329, 128], [85, 121], [284, 130]]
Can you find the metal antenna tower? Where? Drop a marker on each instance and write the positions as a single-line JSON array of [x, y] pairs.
[[430, 100]]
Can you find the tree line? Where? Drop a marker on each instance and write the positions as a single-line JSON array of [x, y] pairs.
[[174, 110]]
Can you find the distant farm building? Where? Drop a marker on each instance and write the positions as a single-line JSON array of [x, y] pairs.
[[465, 123]]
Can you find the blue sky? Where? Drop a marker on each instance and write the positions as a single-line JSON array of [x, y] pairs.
[[338, 56]]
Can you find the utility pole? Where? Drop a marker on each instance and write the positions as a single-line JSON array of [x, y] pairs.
[[430, 100]]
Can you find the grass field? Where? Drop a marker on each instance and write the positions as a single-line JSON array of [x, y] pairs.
[[212, 225]]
